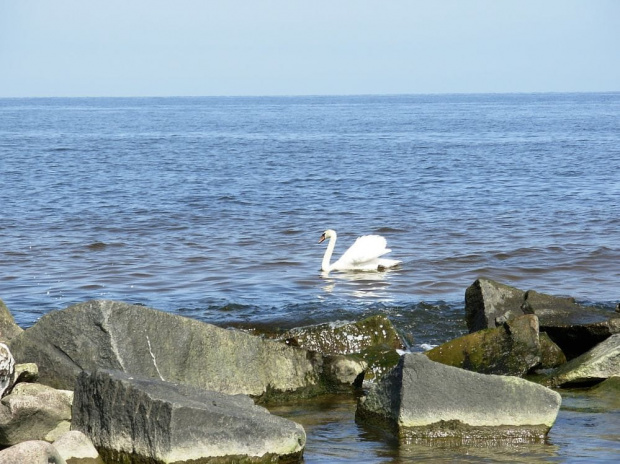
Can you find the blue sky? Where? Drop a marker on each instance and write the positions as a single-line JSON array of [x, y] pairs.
[[290, 47]]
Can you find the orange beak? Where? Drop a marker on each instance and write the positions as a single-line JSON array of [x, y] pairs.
[[322, 238]]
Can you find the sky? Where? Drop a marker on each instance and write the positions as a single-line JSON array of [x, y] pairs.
[[56, 48]]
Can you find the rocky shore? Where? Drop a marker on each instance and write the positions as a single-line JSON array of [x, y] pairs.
[[107, 382]]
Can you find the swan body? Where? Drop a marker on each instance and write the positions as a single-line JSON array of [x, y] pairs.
[[364, 255]]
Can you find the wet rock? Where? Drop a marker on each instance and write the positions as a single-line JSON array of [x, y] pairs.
[[7, 370], [129, 338], [31, 452], [511, 349], [76, 448], [148, 420], [374, 339], [550, 354], [574, 328], [421, 400], [343, 371], [8, 328], [489, 304], [32, 411], [600, 363]]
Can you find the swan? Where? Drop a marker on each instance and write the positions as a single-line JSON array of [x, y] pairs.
[[363, 255]]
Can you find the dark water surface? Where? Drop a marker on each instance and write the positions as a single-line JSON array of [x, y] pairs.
[[212, 207]]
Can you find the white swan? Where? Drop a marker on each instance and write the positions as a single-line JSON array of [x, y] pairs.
[[364, 255]]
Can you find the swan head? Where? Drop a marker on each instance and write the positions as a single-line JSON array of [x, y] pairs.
[[329, 233]]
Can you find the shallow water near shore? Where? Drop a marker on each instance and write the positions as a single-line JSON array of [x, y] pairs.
[[212, 208]]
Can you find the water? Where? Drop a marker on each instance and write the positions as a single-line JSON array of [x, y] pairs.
[[212, 207]]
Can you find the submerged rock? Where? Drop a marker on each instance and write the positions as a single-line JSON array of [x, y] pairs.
[[598, 364], [574, 328], [511, 349], [144, 341], [148, 420], [421, 399]]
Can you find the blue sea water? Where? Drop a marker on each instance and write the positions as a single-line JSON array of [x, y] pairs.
[[212, 207]]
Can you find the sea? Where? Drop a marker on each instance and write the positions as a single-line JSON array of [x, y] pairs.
[[212, 208]]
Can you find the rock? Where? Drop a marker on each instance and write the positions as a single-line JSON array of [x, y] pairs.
[[574, 328], [374, 339], [7, 370], [344, 370], [600, 363], [31, 452], [608, 393], [489, 304], [27, 372], [8, 328], [147, 420], [550, 354], [511, 349], [129, 338], [76, 448], [31, 412], [421, 399]]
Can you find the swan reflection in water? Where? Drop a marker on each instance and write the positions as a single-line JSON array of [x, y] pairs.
[[358, 284]]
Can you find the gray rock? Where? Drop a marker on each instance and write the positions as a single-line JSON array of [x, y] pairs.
[[574, 328], [511, 349], [421, 399], [600, 363], [130, 417], [31, 412], [8, 328], [76, 448], [144, 341], [31, 452]]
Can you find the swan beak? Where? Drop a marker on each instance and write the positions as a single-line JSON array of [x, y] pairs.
[[322, 238]]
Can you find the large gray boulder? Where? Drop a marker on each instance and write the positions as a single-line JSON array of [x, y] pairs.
[[31, 452], [32, 411], [510, 349], [598, 364], [8, 328], [131, 417], [144, 341], [422, 399], [573, 327]]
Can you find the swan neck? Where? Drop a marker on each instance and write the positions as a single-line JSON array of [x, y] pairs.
[[325, 266]]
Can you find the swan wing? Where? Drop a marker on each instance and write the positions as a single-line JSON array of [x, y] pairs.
[[363, 253]]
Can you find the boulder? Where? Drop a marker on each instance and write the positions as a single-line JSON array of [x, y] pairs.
[[374, 339], [131, 418], [129, 338], [31, 452], [511, 349], [550, 354], [574, 328], [421, 399], [8, 328], [32, 411], [76, 448], [7, 370], [600, 363]]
